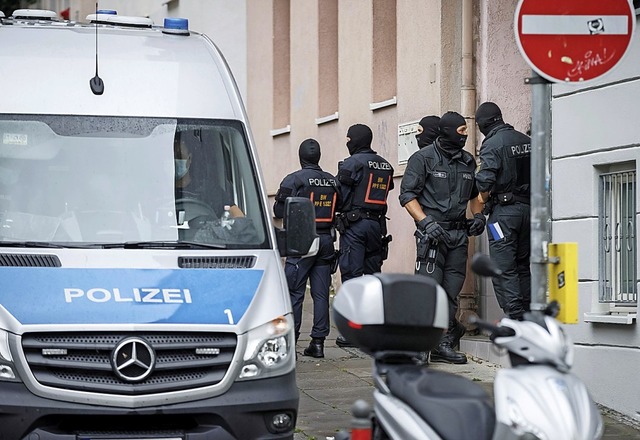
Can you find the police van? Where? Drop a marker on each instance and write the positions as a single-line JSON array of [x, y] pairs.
[[142, 294]]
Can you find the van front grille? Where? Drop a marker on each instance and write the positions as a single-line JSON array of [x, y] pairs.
[[85, 361]]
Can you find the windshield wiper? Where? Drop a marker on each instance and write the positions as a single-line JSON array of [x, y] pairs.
[[41, 244], [163, 244]]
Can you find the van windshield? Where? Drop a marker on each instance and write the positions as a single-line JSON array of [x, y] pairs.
[[105, 180]]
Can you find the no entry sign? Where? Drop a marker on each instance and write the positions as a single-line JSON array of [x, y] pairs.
[[573, 40]]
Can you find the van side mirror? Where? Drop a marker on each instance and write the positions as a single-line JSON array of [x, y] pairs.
[[299, 227]]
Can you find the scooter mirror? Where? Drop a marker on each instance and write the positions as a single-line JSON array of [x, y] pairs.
[[485, 266]]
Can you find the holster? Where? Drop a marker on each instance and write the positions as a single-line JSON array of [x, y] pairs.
[[426, 250], [385, 246], [422, 245], [335, 261], [341, 223]]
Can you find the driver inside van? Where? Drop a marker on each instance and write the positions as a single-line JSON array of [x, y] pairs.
[[205, 191]]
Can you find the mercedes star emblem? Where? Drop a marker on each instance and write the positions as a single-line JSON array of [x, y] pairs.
[[133, 359]]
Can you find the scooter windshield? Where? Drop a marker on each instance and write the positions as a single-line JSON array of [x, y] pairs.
[[106, 180]]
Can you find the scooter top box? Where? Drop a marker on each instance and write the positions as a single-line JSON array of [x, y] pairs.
[[384, 312]]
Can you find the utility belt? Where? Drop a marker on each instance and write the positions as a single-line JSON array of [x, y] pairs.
[[509, 198], [356, 214], [344, 220], [449, 226]]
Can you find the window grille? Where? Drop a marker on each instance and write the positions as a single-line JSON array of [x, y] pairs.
[[618, 253]]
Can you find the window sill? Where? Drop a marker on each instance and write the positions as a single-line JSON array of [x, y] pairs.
[[382, 104], [278, 131], [607, 318], [325, 119]]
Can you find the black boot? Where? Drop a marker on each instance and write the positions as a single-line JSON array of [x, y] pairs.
[[315, 348], [444, 353]]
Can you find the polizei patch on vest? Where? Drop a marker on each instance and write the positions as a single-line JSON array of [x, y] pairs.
[[519, 150], [379, 165], [439, 174], [321, 182]]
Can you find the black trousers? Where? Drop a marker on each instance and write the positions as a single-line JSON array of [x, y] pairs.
[[450, 268], [361, 249], [317, 270], [509, 230]]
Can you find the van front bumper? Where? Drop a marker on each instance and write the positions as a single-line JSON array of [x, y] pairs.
[[259, 409]]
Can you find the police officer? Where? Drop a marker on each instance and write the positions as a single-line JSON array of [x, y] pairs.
[[365, 179], [321, 187], [503, 179], [428, 130], [437, 187]]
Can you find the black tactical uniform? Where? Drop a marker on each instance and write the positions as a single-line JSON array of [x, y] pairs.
[[321, 188], [440, 178], [364, 179], [504, 172]]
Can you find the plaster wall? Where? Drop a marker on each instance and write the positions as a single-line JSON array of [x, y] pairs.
[[417, 83]]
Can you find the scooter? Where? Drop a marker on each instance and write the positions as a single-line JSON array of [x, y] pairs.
[[395, 317]]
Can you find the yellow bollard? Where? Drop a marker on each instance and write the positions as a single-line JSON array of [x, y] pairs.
[[563, 280]]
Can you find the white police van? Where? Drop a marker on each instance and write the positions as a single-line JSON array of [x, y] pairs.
[[131, 305]]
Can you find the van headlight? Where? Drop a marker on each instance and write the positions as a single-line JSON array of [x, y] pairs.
[[270, 350], [7, 370]]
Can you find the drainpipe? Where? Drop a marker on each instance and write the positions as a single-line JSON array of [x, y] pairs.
[[467, 298]]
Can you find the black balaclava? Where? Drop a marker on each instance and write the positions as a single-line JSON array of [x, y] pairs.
[[360, 138], [450, 140], [488, 117], [430, 131], [309, 152]]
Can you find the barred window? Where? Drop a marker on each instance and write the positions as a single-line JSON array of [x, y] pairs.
[[618, 253]]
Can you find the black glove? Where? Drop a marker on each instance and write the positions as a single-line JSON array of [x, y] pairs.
[[431, 228], [475, 225]]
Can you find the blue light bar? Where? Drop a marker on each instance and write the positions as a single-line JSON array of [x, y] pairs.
[[179, 26], [107, 11]]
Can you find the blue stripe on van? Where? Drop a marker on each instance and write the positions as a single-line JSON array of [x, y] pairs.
[[135, 296]]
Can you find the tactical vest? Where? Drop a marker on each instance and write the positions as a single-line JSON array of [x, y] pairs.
[[371, 192], [320, 188], [515, 173]]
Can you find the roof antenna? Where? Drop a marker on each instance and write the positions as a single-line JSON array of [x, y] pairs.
[[96, 83]]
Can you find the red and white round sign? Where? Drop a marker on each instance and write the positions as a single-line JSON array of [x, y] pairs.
[[573, 41]]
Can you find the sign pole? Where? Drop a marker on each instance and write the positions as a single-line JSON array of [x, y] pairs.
[[540, 188]]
